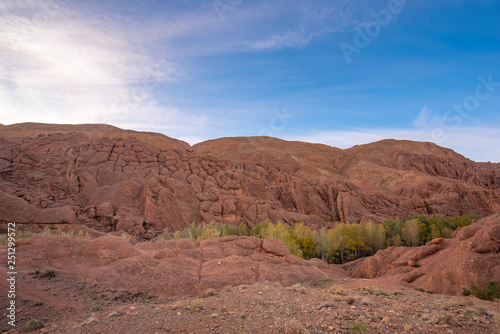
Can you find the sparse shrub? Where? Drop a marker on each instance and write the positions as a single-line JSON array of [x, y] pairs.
[[94, 308], [81, 235], [483, 311], [366, 301], [197, 305], [208, 293], [350, 300], [166, 235], [292, 326], [49, 273], [338, 290], [243, 316], [298, 288], [447, 318], [46, 231], [37, 303], [358, 327], [376, 290], [32, 325], [322, 282], [490, 291], [465, 291]]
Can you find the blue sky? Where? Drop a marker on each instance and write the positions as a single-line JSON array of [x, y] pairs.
[[336, 72]]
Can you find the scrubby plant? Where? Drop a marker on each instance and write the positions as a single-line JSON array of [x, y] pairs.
[[94, 308], [32, 325], [208, 293], [350, 300], [37, 302], [166, 235], [298, 288], [292, 326], [49, 273], [490, 291], [196, 305], [358, 327]]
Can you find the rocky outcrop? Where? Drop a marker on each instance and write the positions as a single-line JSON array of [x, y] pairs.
[[179, 267], [141, 183], [172, 267], [14, 209], [443, 265]]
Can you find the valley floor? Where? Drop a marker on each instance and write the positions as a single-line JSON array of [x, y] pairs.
[[352, 306]]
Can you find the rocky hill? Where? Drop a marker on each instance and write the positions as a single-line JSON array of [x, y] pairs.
[[112, 179]]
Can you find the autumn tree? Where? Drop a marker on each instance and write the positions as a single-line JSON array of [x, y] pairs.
[[410, 232]]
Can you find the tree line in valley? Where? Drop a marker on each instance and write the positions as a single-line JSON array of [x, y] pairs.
[[341, 243]]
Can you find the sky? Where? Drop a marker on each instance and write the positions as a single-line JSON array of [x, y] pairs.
[[342, 73]]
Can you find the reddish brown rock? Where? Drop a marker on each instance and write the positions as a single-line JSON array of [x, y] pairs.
[[275, 247], [112, 178], [444, 266], [169, 268]]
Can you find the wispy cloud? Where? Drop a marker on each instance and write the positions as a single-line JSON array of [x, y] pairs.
[[61, 63], [62, 67]]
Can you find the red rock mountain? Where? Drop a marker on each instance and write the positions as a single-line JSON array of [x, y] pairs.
[[140, 183]]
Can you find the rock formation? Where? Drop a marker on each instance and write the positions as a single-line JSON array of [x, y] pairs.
[[171, 267], [443, 265], [110, 179]]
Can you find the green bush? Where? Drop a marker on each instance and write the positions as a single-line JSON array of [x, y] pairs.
[[490, 291], [49, 273], [32, 325], [358, 327]]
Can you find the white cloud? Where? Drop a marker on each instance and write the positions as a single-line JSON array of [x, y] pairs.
[[478, 144], [62, 64], [61, 67]]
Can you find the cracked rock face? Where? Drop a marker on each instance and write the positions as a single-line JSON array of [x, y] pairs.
[[141, 183]]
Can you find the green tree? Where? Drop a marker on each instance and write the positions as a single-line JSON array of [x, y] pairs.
[[374, 236], [411, 233], [307, 247], [392, 228], [242, 229], [284, 233], [355, 238], [323, 243], [340, 240]]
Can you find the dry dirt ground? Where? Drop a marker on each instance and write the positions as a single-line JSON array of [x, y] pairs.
[[353, 306]]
